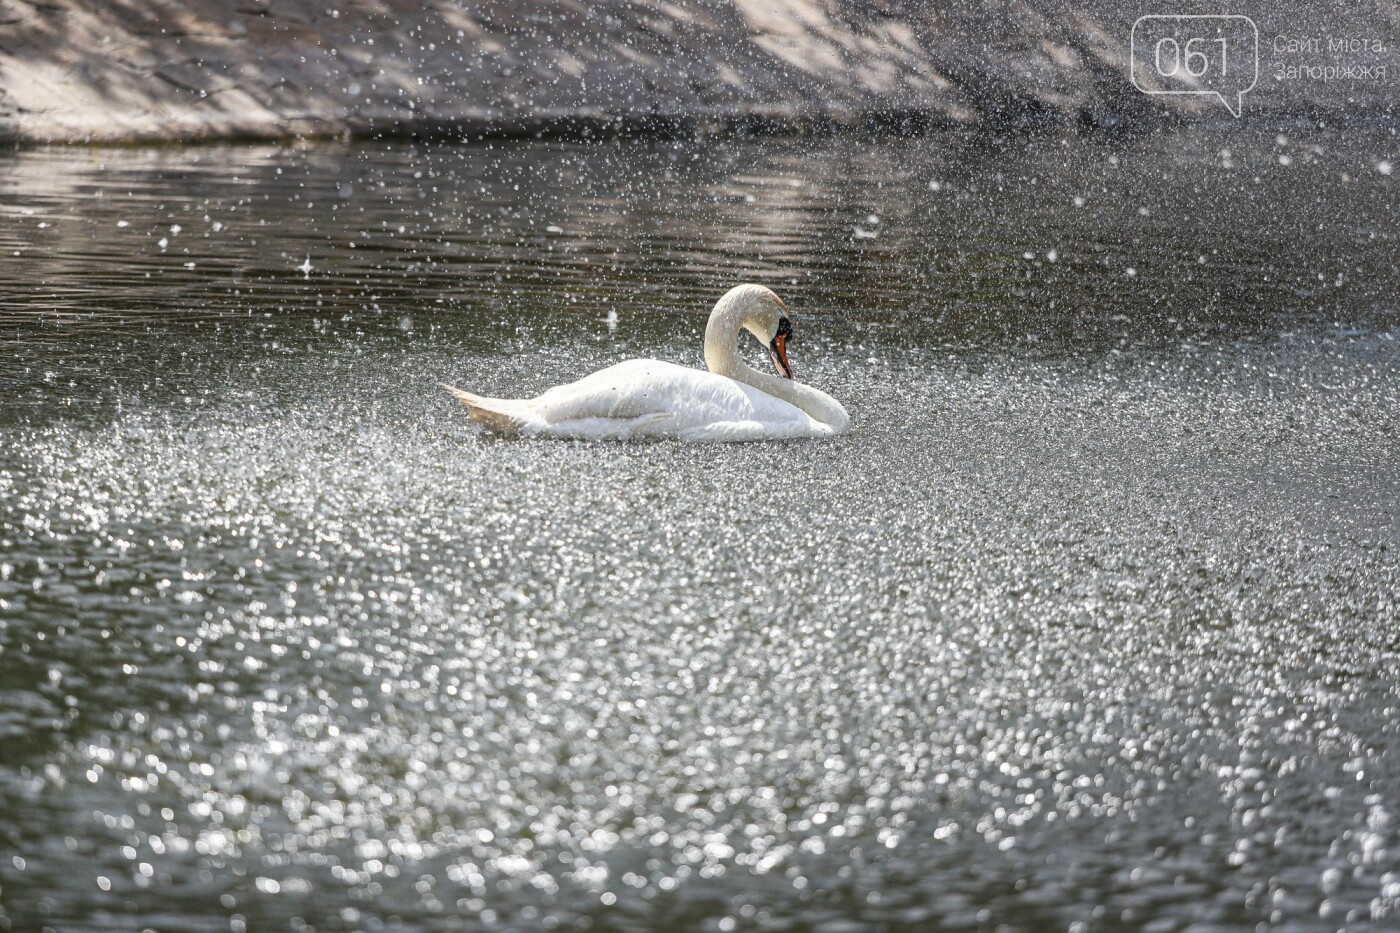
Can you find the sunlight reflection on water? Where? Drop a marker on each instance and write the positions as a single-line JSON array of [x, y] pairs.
[[1089, 620]]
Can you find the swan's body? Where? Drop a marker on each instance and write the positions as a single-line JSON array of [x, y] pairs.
[[651, 398]]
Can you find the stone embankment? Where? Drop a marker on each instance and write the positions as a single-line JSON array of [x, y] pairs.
[[156, 70]]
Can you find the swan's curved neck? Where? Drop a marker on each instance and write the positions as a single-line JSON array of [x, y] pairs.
[[722, 358], [722, 338]]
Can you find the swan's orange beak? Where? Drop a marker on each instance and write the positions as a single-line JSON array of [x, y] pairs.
[[777, 349]]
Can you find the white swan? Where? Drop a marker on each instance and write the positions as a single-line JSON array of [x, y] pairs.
[[651, 398]]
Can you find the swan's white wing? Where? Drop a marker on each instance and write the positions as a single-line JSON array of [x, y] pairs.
[[649, 398]]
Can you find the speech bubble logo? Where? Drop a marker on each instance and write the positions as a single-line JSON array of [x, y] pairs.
[[1212, 55]]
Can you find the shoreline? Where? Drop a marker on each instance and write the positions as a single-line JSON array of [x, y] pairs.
[[600, 128], [162, 71]]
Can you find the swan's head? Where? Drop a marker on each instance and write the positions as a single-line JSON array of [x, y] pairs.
[[766, 317]]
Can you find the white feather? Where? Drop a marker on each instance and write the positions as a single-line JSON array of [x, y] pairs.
[[651, 398]]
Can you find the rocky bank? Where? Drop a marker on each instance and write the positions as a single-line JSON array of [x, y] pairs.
[[154, 70]]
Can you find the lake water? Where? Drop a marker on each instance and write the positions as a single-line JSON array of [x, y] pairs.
[[1089, 623]]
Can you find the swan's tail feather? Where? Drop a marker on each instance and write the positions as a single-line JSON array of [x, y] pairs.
[[490, 413]]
